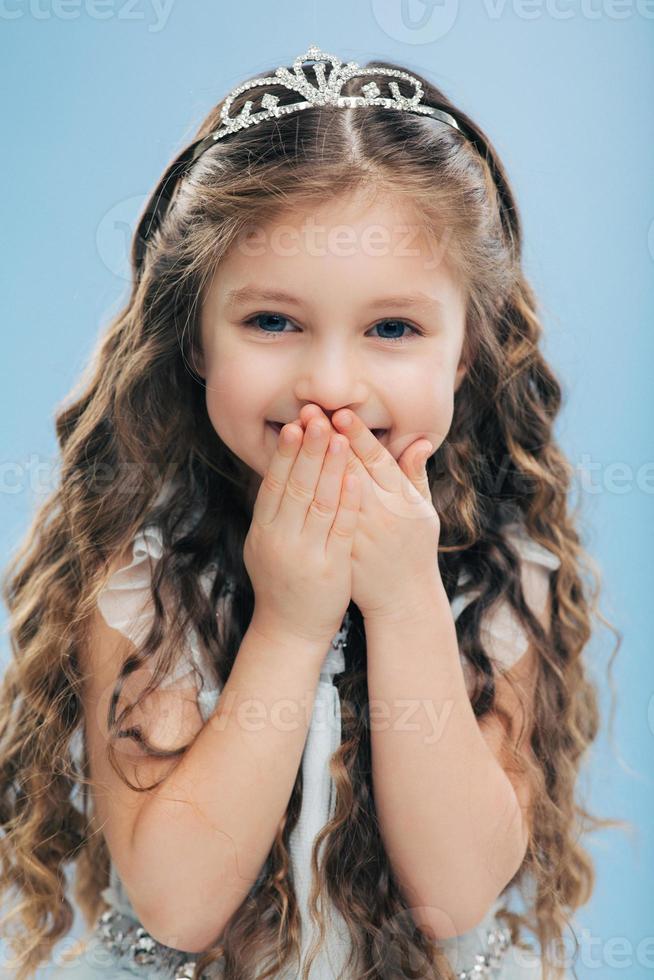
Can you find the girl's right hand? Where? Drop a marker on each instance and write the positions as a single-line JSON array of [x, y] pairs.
[[298, 549]]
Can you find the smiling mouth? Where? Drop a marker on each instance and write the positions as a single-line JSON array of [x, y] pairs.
[[276, 426]]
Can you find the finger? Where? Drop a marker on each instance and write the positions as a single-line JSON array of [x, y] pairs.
[[322, 509], [373, 455], [354, 465], [341, 535], [356, 468], [304, 476], [308, 412], [413, 464], [271, 492]]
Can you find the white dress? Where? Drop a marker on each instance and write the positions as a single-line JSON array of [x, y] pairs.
[[124, 604]]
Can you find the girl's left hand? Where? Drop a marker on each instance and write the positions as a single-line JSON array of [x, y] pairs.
[[395, 550]]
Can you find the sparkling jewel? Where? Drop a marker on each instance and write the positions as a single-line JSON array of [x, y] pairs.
[[327, 92], [131, 945]]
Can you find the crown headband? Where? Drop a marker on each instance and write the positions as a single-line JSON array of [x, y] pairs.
[[325, 93]]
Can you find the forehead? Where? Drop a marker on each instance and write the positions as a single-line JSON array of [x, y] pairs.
[[360, 245]]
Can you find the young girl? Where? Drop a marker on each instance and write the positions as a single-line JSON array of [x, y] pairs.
[[296, 705]]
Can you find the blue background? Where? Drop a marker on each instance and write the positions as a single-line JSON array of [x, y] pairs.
[[96, 101]]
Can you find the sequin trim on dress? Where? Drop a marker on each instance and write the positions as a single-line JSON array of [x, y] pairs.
[[130, 943], [132, 946], [489, 962]]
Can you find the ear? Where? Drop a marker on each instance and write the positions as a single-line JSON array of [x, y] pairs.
[[197, 361], [460, 374]]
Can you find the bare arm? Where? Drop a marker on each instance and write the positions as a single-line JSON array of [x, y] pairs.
[[435, 775], [201, 838]]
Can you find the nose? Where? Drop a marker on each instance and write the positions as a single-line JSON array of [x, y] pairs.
[[331, 382]]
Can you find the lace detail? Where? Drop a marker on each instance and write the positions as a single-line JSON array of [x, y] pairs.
[[126, 604], [501, 633]]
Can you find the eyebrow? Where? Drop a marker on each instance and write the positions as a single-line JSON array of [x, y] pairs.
[[246, 294]]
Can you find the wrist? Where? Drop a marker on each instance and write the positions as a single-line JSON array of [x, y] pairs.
[[410, 607], [281, 633]]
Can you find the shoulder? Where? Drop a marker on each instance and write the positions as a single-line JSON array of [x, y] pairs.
[[125, 595], [502, 634], [126, 605]]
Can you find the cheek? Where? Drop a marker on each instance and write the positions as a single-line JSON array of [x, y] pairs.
[[226, 397], [426, 410], [427, 402], [235, 376], [443, 421]]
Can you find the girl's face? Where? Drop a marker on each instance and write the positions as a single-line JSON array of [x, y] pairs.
[[351, 306]]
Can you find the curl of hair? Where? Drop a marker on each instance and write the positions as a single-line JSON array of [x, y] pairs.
[[119, 440]]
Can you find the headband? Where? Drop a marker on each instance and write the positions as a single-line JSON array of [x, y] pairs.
[[326, 92]]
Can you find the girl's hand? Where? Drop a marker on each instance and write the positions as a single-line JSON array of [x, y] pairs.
[[298, 549], [395, 550]]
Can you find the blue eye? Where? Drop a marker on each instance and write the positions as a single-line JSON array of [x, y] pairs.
[[253, 322]]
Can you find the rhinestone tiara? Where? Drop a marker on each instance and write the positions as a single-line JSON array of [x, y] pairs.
[[326, 92]]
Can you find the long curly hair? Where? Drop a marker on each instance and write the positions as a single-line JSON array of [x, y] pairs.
[[139, 418]]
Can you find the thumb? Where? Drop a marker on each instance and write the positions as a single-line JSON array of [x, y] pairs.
[[414, 466]]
